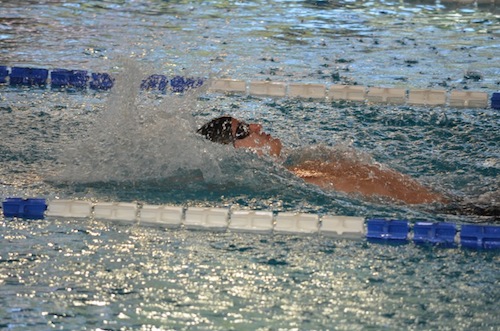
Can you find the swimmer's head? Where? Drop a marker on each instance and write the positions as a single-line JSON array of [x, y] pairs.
[[224, 130], [229, 130]]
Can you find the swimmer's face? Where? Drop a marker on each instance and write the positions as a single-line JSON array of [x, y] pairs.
[[251, 136]]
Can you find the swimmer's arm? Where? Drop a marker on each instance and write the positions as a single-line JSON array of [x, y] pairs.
[[369, 180]]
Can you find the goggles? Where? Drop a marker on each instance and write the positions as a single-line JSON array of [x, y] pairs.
[[242, 131]]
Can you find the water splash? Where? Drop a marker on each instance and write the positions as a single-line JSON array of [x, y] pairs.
[[140, 136]]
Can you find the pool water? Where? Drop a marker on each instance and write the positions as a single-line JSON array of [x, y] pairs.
[[69, 274], [128, 145]]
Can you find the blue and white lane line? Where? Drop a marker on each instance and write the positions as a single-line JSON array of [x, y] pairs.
[[83, 80], [444, 234]]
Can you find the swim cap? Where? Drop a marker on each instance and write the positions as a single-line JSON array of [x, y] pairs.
[[219, 130]]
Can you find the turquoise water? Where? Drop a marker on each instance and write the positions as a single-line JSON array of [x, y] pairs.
[[125, 145]]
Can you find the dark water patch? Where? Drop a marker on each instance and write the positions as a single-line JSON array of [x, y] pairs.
[[275, 262]]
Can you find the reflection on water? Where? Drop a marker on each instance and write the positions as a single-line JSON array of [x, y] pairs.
[[111, 276]]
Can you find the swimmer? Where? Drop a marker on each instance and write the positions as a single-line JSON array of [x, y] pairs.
[[344, 175]]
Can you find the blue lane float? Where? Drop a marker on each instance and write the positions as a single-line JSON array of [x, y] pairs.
[[32, 208], [495, 100], [61, 78], [81, 79], [155, 82], [101, 81], [390, 231], [480, 236], [181, 84], [176, 84], [442, 233], [28, 76]]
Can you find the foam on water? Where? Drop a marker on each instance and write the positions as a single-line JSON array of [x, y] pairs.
[[139, 136], [146, 142]]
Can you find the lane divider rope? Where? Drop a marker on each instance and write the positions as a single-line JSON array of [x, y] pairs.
[[376, 230], [83, 80]]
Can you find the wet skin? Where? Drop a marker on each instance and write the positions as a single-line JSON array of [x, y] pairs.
[[259, 141], [348, 176]]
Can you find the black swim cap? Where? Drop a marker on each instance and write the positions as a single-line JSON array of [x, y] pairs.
[[219, 130]]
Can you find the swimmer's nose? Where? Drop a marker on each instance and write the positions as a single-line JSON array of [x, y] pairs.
[[257, 128]]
